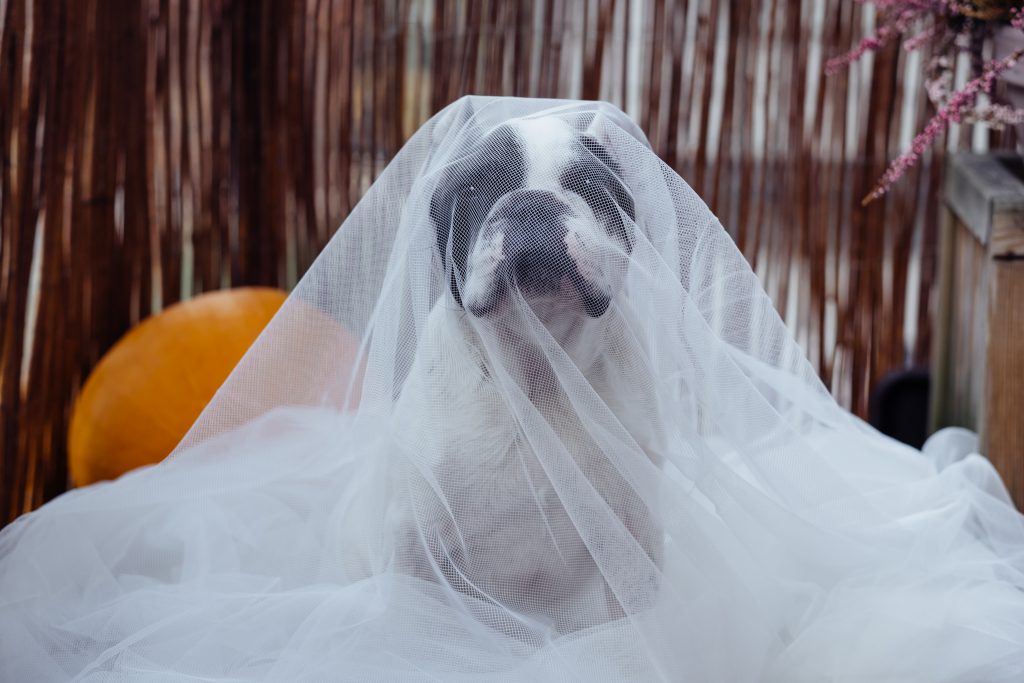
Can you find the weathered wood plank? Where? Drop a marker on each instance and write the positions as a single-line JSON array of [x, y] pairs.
[[979, 357]]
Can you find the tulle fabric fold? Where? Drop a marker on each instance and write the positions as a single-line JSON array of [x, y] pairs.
[[690, 503]]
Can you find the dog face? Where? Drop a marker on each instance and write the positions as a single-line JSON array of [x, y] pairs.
[[536, 208]]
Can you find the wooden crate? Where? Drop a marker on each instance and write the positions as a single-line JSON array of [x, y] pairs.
[[978, 358]]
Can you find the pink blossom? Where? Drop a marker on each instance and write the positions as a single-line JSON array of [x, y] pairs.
[[876, 41], [916, 41], [1017, 18], [949, 27], [996, 115], [953, 111]]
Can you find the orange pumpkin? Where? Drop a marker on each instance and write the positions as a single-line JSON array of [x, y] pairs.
[[149, 388]]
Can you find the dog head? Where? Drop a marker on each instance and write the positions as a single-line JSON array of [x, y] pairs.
[[534, 208]]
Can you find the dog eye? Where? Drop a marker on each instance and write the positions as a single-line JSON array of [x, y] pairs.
[[582, 183], [468, 196]]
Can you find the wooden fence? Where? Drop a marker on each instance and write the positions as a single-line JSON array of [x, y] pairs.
[[154, 149]]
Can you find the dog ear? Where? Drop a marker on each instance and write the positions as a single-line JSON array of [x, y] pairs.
[[583, 121], [459, 131], [466, 129], [602, 121], [456, 126], [469, 124]]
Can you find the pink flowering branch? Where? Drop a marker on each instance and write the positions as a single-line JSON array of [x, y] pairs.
[[916, 41], [876, 41], [952, 112], [948, 27], [996, 115]]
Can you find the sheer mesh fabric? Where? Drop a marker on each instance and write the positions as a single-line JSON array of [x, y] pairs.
[[529, 416]]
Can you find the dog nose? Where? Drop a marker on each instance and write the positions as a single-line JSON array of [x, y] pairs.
[[534, 241]]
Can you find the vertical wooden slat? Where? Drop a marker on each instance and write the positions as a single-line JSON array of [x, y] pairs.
[[159, 148], [25, 58]]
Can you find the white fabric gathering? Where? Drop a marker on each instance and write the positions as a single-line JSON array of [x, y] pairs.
[[529, 416]]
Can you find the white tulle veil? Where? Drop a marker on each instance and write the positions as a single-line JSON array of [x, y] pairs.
[[437, 464]]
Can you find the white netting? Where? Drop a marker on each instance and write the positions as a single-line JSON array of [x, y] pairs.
[[529, 416]]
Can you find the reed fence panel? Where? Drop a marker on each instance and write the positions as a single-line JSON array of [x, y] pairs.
[[155, 149]]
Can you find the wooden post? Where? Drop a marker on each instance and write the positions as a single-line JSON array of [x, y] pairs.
[[979, 337]]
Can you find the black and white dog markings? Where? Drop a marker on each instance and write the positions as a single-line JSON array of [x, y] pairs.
[[538, 206], [534, 229]]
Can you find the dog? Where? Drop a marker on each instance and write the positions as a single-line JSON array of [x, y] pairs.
[[534, 228]]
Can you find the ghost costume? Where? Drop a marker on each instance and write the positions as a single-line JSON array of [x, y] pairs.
[[529, 416]]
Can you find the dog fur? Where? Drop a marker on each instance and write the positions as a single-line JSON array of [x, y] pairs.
[[485, 514]]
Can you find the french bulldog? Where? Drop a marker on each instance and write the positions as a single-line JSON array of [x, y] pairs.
[[534, 228]]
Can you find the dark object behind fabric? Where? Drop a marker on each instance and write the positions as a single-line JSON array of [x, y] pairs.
[[899, 406]]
